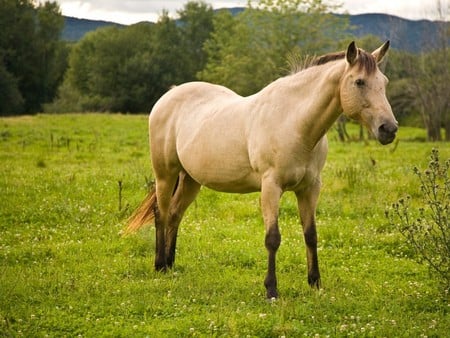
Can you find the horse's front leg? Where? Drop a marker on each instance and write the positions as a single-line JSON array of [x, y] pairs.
[[270, 198], [307, 201]]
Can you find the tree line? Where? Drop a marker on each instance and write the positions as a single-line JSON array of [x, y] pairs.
[[32, 57], [127, 69]]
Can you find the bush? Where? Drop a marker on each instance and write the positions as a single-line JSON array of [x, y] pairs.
[[425, 224]]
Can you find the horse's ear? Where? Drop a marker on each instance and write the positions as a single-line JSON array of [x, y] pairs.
[[352, 53], [379, 53]]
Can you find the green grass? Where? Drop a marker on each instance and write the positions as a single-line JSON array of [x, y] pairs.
[[66, 271]]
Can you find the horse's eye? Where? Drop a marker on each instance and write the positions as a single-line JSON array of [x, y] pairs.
[[360, 82]]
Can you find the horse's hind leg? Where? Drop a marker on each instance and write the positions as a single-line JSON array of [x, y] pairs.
[[184, 195], [164, 191]]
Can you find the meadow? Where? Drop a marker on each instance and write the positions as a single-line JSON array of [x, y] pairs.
[[69, 182]]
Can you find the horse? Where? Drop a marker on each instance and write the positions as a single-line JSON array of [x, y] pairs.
[[203, 134]]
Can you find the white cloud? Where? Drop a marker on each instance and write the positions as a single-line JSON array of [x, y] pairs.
[[128, 12], [410, 9]]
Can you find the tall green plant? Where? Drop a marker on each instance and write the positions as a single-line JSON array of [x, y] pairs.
[[425, 224]]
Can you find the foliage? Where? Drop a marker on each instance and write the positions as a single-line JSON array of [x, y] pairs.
[[429, 85], [109, 70], [428, 231], [32, 58], [398, 91], [227, 52], [249, 50], [11, 100], [195, 22], [422, 82], [66, 271], [128, 69], [418, 90]]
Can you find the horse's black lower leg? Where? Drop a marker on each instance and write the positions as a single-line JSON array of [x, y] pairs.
[[307, 201], [270, 198], [171, 254], [272, 242], [311, 255], [171, 239], [160, 255], [184, 194]]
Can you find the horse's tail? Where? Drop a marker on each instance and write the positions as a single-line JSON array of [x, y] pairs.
[[143, 215]]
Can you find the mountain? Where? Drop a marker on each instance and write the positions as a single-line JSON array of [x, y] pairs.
[[408, 35], [75, 29]]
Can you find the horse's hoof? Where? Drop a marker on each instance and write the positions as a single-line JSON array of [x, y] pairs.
[[272, 294], [314, 281], [160, 267], [170, 263]]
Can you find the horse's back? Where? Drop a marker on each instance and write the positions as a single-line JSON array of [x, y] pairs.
[[186, 105], [190, 94]]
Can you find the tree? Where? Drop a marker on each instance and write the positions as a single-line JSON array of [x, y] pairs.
[[11, 100], [249, 50], [195, 23], [229, 55], [170, 63], [30, 53], [421, 83], [177, 47], [109, 70], [128, 69], [430, 86], [52, 51]]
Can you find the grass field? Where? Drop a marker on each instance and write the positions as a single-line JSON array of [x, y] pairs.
[[65, 270]]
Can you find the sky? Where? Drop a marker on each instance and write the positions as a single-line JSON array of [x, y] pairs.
[[129, 12]]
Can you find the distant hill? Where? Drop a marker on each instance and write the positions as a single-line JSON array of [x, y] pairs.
[[408, 35], [75, 29]]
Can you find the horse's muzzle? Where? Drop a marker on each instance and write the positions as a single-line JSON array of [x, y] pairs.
[[387, 132]]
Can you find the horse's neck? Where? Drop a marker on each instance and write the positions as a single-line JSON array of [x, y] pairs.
[[311, 100]]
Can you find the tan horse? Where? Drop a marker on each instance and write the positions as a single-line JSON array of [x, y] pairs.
[[273, 141]]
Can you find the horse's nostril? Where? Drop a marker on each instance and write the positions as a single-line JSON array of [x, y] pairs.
[[386, 132], [389, 128]]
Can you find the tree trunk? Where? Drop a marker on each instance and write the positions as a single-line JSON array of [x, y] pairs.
[[342, 129], [447, 129], [434, 131]]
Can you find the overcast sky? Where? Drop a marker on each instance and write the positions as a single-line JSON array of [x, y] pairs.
[[129, 12]]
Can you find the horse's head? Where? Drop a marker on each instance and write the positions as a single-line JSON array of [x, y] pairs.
[[363, 95]]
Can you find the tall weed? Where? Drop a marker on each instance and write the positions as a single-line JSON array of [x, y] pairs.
[[425, 223]]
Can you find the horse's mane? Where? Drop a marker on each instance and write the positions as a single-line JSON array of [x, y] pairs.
[[365, 61]]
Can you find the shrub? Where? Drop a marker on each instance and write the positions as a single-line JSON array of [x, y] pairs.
[[425, 223]]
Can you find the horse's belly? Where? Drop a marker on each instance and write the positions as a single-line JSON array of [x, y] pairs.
[[220, 168], [214, 153], [243, 184], [226, 175]]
